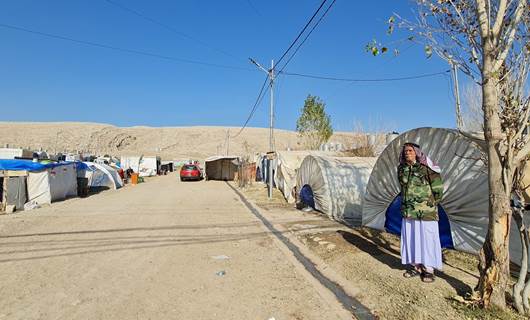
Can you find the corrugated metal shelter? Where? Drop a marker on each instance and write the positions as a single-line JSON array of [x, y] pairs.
[[464, 206], [221, 167]]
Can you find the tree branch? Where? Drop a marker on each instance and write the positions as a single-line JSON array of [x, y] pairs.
[[503, 4], [483, 23], [510, 35]]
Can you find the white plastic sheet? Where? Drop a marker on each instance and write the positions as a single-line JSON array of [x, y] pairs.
[[338, 185]]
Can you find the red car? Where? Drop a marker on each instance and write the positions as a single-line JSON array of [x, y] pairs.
[[190, 172]]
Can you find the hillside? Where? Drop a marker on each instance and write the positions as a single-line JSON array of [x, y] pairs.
[[168, 142]]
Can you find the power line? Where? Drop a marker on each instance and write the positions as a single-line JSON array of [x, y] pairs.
[[261, 94], [170, 28], [133, 51], [307, 36], [366, 80], [301, 32]]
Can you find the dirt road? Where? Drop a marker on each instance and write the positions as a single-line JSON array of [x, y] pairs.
[[160, 250]]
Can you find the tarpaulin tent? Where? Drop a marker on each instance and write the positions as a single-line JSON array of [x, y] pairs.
[[46, 182], [149, 166], [221, 167], [337, 185], [287, 167], [101, 175], [144, 166], [464, 206], [262, 168]]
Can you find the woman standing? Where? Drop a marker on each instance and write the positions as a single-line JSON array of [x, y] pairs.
[[421, 192]]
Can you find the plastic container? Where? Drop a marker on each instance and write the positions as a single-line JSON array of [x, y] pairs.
[[134, 178]]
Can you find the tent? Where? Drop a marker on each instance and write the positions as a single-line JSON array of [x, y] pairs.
[[13, 153], [336, 186], [464, 206], [287, 167], [221, 167], [145, 166], [149, 166], [46, 183], [263, 164], [101, 175]]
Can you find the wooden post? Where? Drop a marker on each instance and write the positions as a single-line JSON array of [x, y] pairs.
[[4, 193]]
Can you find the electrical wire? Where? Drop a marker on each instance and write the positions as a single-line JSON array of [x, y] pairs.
[[133, 51], [366, 80], [307, 36], [301, 32], [261, 94], [172, 29]]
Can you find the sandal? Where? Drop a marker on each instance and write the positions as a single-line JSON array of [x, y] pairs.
[[410, 273], [427, 277]]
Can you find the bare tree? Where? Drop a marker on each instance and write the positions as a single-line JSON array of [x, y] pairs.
[[488, 40]]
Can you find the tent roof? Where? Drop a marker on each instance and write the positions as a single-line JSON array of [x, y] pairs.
[[29, 165], [214, 158]]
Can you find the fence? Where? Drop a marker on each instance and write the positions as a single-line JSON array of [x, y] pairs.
[[246, 173]]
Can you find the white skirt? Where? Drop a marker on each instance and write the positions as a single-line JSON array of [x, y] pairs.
[[420, 243]]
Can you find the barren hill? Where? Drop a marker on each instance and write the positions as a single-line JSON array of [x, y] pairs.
[[168, 142]]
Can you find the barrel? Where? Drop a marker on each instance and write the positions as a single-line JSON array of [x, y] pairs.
[[134, 178]]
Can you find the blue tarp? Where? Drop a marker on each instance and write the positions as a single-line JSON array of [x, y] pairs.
[[28, 165], [393, 222], [306, 195]]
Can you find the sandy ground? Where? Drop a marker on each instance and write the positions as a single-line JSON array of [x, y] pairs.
[[152, 251], [369, 261], [171, 143]]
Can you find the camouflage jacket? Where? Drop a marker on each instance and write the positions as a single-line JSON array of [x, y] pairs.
[[421, 191]]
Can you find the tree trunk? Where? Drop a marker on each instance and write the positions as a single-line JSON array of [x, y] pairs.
[[494, 256], [518, 216]]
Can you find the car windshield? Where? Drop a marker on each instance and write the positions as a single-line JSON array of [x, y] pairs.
[[189, 167]]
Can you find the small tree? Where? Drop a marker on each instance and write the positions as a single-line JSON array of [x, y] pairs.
[[314, 125]]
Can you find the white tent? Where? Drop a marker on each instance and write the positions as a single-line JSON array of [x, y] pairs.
[[145, 166], [465, 199], [52, 183], [287, 167], [337, 185], [101, 175], [128, 162], [12, 153], [149, 166]]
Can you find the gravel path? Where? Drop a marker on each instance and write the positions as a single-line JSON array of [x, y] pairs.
[[160, 250]]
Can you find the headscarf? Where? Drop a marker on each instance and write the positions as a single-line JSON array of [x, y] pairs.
[[421, 157]]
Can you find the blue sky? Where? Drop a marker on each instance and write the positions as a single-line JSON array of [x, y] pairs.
[[44, 79]]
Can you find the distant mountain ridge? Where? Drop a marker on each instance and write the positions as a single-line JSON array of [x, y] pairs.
[[197, 142]]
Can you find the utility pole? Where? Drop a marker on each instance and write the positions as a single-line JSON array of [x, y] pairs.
[[271, 152], [271, 135], [459, 121]]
